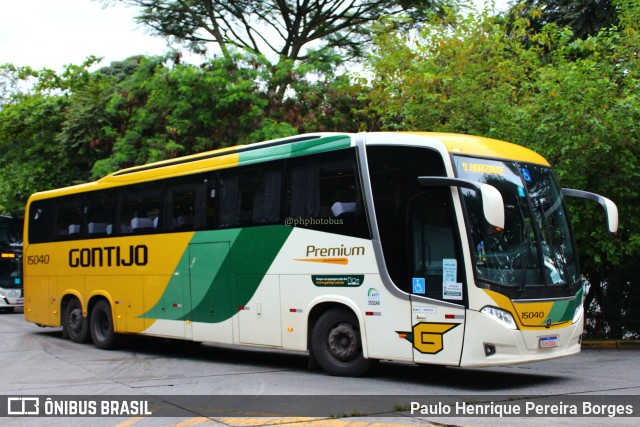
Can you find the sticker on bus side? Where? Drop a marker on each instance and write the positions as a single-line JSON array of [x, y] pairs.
[[338, 281]]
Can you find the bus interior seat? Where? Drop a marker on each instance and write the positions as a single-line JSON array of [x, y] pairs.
[[124, 229], [74, 229], [97, 228], [184, 222], [139, 225], [341, 208]]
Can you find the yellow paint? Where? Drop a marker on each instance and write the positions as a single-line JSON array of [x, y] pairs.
[[518, 309], [307, 422], [130, 422], [428, 337], [340, 261], [485, 147], [140, 286], [139, 174]]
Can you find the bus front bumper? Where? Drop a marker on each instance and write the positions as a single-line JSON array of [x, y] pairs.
[[489, 343], [11, 298]]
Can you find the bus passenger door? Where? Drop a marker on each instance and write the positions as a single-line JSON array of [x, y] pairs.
[[437, 292]]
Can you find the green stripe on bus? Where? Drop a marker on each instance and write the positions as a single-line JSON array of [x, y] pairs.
[[296, 149], [563, 311], [220, 271]]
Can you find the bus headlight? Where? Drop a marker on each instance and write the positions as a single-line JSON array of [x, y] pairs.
[[578, 314], [501, 316]]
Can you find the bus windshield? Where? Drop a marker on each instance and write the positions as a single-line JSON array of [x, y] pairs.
[[10, 233], [536, 247]]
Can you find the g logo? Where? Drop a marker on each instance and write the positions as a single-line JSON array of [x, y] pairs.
[[427, 337]]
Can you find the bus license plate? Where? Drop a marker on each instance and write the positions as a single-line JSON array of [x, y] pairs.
[[549, 342]]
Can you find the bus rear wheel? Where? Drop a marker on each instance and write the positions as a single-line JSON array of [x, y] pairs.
[[336, 344], [101, 326], [75, 325]]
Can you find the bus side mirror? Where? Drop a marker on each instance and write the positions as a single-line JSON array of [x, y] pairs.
[[492, 203], [610, 208]]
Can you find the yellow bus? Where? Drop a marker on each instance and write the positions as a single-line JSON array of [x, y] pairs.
[[430, 248]]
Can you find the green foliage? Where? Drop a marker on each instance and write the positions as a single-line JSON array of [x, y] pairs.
[[29, 158], [161, 112], [57, 129], [31, 119], [584, 17]]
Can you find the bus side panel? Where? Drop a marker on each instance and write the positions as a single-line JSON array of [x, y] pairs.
[[259, 319], [294, 295], [171, 304], [322, 268], [387, 318], [37, 304]]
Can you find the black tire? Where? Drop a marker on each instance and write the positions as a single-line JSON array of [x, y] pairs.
[[337, 346], [101, 326], [75, 325]]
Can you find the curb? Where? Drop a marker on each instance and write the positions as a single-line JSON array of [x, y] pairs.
[[611, 344]]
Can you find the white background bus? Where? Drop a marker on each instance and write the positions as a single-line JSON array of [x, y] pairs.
[[11, 294]]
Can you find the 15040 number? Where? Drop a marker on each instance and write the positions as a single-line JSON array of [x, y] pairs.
[[532, 315], [37, 259]]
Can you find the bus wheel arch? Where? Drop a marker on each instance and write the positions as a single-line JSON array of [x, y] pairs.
[[74, 324], [335, 340], [101, 324]]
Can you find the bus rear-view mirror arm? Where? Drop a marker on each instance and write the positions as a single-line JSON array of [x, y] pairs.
[[610, 208], [492, 203]]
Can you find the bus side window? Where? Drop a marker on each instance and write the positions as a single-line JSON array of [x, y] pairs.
[[250, 195], [431, 229], [394, 182], [100, 211], [229, 203], [267, 197], [70, 218], [209, 201], [323, 193], [180, 204], [41, 216], [140, 208]]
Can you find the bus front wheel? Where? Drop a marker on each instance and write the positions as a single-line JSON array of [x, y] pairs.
[[74, 323], [101, 326], [336, 344]]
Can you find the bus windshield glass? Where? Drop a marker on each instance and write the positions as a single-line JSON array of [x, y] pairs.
[[10, 233], [536, 247]]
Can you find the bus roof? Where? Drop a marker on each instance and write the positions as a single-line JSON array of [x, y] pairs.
[[290, 147], [471, 145]]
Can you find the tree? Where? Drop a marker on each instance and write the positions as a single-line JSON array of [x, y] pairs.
[[164, 110], [30, 159], [278, 34], [584, 17], [31, 121], [271, 27]]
